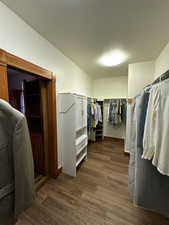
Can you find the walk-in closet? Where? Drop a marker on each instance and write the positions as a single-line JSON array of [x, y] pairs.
[[84, 105]]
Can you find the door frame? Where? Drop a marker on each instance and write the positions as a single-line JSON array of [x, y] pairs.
[[8, 59]]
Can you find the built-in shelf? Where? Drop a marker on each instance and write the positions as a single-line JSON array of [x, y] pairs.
[[81, 158], [79, 129], [99, 127], [73, 121], [99, 135], [99, 130], [81, 138], [81, 149], [32, 95]]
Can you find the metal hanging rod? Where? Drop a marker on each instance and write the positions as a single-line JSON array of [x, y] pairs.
[[114, 99], [164, 76]]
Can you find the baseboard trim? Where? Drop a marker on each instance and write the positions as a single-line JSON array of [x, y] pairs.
[[121, 140], [127, 153], [40, 183], [44, 179]]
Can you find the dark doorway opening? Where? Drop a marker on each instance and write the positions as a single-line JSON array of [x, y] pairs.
[[27, 94]]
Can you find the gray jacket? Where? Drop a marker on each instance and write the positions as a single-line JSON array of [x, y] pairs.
[[16, 164]]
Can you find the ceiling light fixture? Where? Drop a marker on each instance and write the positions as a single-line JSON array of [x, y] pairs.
[[113, 58]]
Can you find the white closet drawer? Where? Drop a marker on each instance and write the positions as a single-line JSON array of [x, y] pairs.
[[81, 143]]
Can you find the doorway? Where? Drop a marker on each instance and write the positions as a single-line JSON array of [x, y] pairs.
[[28, 94], [48, 94]]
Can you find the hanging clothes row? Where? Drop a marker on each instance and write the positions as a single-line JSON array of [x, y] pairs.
[[94, 120], [147, 141], [117, 108], [94, 114], [155, 140]]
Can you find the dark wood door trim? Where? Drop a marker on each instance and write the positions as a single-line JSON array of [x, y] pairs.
[[52, 127], [7, 59], [3, 82]]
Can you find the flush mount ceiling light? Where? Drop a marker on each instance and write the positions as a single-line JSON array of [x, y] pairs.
[[113, 58]]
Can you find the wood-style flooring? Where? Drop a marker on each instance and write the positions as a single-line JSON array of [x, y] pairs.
[[97, 196]]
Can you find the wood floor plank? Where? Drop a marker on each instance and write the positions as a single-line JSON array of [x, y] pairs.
[[97, 196]]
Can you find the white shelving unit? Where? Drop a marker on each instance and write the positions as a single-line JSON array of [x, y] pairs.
[[73, 127]]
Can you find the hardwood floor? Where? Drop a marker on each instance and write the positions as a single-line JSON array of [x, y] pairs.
[[98, 196]]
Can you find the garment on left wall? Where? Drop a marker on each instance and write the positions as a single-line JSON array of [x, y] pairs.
[[16, 164], [98, 113], [94, 115]]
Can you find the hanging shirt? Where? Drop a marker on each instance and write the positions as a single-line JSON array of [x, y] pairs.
[[98, 113], [94, 111], [130, 132], [124, 112], [112, 114], [89, 116]]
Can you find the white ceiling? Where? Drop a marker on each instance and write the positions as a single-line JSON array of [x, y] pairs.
[[85, 29]]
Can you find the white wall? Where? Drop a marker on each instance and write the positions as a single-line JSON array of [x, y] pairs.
[[162, 62], [21, 40], [143, 73], [110, 87], [107, 88], [139, 75]]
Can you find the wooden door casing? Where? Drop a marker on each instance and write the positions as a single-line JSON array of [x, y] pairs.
[[3, 82], [7, 59]]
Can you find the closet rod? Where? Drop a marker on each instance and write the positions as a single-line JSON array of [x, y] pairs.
[[91, 99], [109, 100], [115, 99], [164, 76]]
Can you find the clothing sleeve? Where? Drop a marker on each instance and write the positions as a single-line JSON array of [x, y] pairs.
[[92, 109], [100, 114], [108, 111], [23, 167], [128, 128], [147, 142], [149, 130]]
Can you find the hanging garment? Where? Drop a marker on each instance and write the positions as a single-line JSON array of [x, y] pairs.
[[109, 113], [89, 116], [130, 145], [113, 113], [94, 111], [98, 113], [156, 139], [124, 112], [117, 112], [150, 188], [130, 124], [150, 123], [16, 164]]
